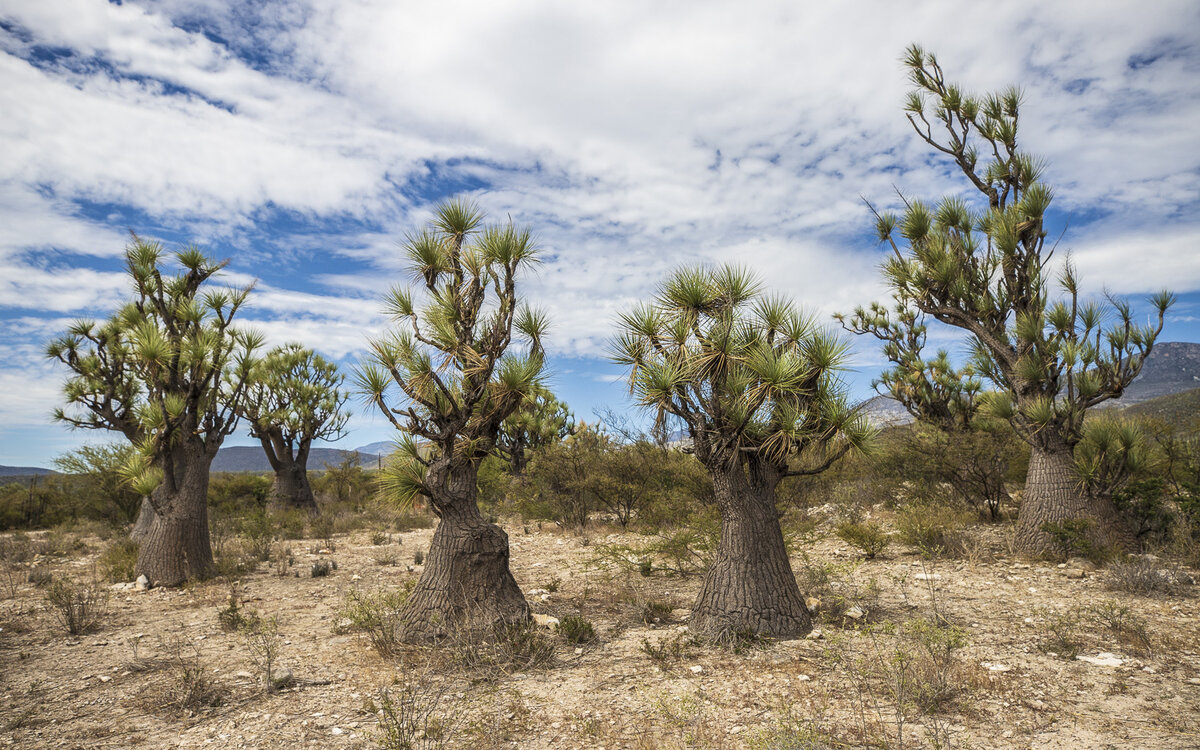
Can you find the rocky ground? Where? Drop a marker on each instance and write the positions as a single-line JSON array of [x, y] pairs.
[[1047, 657]]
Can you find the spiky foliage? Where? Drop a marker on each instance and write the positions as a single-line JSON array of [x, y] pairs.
[[295, 397], [166, 368], [750, 377], [984, 269], [541, 420], [1111, 452], [444, 374]]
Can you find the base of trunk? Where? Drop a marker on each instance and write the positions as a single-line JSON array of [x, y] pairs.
[[145, 520], [466, 588], [291, 489], [1058, 517], [175, 549]]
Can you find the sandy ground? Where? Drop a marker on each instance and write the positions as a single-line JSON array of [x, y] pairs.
[[111, 688]]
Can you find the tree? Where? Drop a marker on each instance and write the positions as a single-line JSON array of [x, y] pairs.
[[102, 466], [753, 382], [458, 381], [294, 398], [168, 371], [541, 421], [985, 271]]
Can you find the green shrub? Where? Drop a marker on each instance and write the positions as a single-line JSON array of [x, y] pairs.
[[868, 537], [118, 562], [375, 614], [575, 629], [932, 527]]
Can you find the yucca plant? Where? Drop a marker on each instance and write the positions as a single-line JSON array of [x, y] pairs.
[[541, 421], [754, 384], [1047, 358], [168, 371], [295, 397], [446, 377]]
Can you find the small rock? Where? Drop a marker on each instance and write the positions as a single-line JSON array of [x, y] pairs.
[[545, 621], [1076, 573], [803, 678], [282, 677], [855, 613], [336, 730], [1103, 659], [928, 576], [992, 666], [355, 577], [141, 584], [579, 651], [105, 678], [813, 604], [696, 669], [815, 635]]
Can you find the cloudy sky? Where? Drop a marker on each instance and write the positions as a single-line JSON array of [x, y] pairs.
[[301, 140]]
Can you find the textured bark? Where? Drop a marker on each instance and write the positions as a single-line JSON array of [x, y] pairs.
[[466, 587], [291, 487], [1053, 494], [176, 547], [144, 520], [750, 587]]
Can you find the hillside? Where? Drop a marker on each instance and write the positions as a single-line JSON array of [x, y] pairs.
[[1181, 411], [24, 471], [1173, 367]]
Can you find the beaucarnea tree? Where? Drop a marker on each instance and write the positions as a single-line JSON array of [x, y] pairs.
[[541, 421], [984, 268], [294, 398], [753, 381], [168, 371], [446, 376]]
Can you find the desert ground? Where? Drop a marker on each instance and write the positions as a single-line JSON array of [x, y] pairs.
[[1041, 655]]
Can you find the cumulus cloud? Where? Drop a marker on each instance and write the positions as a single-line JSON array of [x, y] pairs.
[[303, 139]]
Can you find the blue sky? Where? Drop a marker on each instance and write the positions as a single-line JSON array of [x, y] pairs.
[[302, 139]]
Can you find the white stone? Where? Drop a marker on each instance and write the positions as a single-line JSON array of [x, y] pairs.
[[992, 666], [545, 621], [141, 584], [696, 669], [855, 613], [928, 576], [1103, 659], [336, 730]]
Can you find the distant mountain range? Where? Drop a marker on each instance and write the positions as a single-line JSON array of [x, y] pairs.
[[251, 458], [1172, 368], [24, 471]]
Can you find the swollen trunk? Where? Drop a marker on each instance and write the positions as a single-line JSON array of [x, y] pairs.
[[750, 588], [291, 487], [466, 586], [1055, 499], [176, 546]]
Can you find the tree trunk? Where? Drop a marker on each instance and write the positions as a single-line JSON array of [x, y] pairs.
[[176, 547], [291, 487], [144, 520], [750, 588], [466, 587], [1054, 495]]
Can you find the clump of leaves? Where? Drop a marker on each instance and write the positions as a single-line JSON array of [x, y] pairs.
[[1060, 633], [657, 612], [118, 562], [233, 617], [575, 629], [322, 568], [1138, 575], [670, 649], [934, 528]]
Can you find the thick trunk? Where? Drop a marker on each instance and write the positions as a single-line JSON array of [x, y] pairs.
[[176, 547], [144, 520], [750, 588], [1054, 496], [466, 587], [291, 487]]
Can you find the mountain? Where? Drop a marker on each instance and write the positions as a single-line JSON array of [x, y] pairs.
[[883, 411], [1179, 411], [382, 448], [251, 458], [24, 471], [1172, 367]]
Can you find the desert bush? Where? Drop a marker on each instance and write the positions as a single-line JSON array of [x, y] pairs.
[[868, 537], [79, 608], [508, 648], [836, 590], [376, 614], [418, 557], [1138, 575], [321, 527], [670, 649], [289, 523], [575, 629], [190, 686], [118, 562], [40, 576], [345, 483], [933, 526], [417, 712], [259, 533], [380, 538], [15, 548], [232, 493], [1060, 632], [322, 568], [232, 617], [657, 611], [261, 636], [1120, 621]]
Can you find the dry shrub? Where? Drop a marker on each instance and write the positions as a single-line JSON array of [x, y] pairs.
[[932, 527], [118, 562], [870, 538], [1121, 622], [508, 648], [377, 614], [79, 608], [189, 686], [418, 712], [1139, 575]]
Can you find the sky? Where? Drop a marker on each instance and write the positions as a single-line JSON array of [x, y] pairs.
[[303, 140]]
